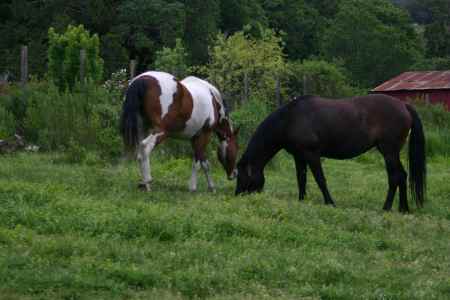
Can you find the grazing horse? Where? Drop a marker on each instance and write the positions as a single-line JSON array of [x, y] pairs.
[[311, 127], [158, 106]]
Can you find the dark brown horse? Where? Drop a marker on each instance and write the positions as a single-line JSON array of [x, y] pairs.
[[312, 127]]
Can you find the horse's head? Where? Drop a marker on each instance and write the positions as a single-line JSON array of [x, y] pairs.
[[228, 148], [249, 179]]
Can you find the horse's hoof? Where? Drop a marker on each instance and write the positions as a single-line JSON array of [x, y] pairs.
[[145, 187]]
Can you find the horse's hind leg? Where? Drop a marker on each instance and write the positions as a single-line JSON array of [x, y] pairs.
[[397, 178], [199, 143], [144, 150], [315, 165]]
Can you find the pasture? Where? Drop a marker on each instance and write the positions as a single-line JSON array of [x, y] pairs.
[[84, 231]]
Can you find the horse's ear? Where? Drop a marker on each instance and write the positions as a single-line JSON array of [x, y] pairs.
[[236, 131]]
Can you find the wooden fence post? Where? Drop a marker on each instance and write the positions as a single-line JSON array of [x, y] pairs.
[[133, 64], [246, 89], [305, 85], [24, 65], [82, 65], [278, 92]]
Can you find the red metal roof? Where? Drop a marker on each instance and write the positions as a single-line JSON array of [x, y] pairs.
[[431, 80]]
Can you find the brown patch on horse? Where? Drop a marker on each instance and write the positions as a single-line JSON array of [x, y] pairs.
[[216, 106], [200, 142], [179, 111], [151, 104]]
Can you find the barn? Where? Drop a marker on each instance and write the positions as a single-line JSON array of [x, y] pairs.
[[432, 86]]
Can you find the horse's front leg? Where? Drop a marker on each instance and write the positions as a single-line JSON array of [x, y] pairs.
[[300, 166], [313, 160], [145, 149], [199, 144], [193, 182]]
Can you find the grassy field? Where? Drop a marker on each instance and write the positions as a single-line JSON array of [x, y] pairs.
[[80, 231]]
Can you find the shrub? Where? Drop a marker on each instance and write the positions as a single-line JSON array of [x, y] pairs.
[[261, 60], [64, 56], [436, 122], [85, 117], [172, 60], [118, 82], [321, 78], [249, 116], [75, 153], [7, 123]]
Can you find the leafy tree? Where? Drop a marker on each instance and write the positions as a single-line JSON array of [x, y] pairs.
[[114, 54], [374, 39], [23, 23], [147, 26], [202, 21], [301, 24], [326, 8], [238, 56], [434, 63], [172, 60], [64, 56], [437, 36], [319, 77], [235, 14]]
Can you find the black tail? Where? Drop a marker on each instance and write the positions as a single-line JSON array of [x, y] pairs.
[[417, 159], [131, 109]]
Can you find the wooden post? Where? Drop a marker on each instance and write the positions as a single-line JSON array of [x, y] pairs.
[[305, 85], [246, 89], [82, 65], [278, 92], [133, 64], [24, 64]]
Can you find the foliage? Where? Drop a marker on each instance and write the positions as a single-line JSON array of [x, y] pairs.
[[7, 123], [202, 19], [64, 56], [235, 14], [85, 117], [146, 26], [248, 117], [172, 60], [73, 231], [438, 39], [374, 39], [113, 53], [239, 55], [301, 24], [432, 64], [436, 121], [118, 82], [321, 78]]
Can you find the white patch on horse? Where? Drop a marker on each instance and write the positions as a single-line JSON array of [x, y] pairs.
[[168, 85], [193, 182], [203, 107], [223, 148]]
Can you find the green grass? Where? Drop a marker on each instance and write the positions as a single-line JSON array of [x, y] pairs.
[[72, 231]]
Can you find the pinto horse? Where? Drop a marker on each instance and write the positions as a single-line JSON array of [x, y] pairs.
[[311, 127], [158, 106]]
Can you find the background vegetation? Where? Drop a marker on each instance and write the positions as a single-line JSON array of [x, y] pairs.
[[372, 40]]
